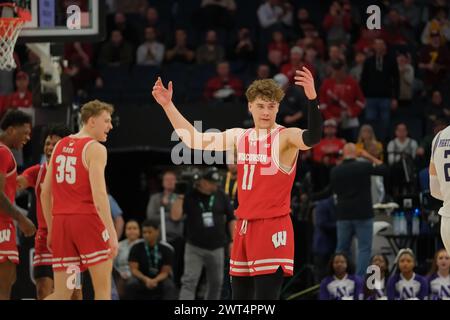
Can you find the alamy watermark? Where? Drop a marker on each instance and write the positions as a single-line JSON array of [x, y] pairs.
[[373, 281], [74, 280], [73, 17], [374, 20]]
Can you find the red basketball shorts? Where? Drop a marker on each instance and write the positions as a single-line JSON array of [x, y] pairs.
[[80, 240], [262, 246], [8, 245], [42, 256]]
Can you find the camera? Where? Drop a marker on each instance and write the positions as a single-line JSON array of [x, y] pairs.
[[186, 180]]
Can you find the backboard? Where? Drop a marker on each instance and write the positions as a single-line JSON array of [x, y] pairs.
[[63, 21]]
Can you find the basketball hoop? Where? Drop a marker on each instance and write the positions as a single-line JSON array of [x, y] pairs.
[[10, 28]]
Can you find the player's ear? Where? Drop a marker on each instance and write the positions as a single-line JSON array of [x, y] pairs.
[[249, 106], [10, 130]]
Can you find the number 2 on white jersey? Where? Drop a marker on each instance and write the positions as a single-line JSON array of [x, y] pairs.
[[247, 180], [66, 169]]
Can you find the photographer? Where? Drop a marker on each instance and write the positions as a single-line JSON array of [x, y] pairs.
[[207, 212]]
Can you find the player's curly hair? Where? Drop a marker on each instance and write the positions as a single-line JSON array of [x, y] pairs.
[[14, 118], [94, 108], [59, 130], [266, 89]]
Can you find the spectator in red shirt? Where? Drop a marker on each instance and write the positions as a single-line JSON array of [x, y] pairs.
[[367, 38], [341, 99], [327, 151], [296, 62], [22, 97], [224, 86], [280, 44], [325, 155]]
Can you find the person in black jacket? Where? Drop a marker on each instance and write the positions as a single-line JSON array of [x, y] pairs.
[[380, 84], [207, 212], [350, 182]]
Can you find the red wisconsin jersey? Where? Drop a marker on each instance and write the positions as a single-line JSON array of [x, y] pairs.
[[264, 187], [71, 187], [8, 167], [35, 176]]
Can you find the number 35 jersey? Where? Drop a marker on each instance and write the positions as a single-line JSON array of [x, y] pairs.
[[264, 187], [71, 187]]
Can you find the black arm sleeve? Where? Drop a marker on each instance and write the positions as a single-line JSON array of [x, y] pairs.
[[313, 133]]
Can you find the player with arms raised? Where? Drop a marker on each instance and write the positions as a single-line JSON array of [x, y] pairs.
[[263, 246]]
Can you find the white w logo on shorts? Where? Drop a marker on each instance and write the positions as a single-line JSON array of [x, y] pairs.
[[279, 239], [5, 235], [105, 235]]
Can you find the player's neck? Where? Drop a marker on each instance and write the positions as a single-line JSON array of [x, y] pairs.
[[84, 133], [265, 130], [4, 140]]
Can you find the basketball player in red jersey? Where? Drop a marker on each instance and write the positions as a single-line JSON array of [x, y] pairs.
[[16, 130], [263, 241], [33, 178], [80, 228]]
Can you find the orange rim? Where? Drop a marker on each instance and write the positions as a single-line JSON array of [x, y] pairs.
[[23, 15]]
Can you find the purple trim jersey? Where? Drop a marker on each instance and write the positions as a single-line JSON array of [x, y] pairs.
[[439, 287], [398, 288], [348, 288]]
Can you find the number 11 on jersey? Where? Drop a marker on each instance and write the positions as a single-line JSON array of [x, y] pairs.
[[247, 180]]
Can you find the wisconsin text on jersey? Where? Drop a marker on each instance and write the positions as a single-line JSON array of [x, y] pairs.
[[262, 158]]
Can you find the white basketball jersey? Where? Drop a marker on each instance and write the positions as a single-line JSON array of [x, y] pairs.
[[440, 156]]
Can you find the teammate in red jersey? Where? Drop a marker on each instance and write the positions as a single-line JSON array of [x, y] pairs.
[[16, 130], [33, 177], [263, 241], [81, 232]]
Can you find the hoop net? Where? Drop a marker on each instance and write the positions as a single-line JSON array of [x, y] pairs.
[[10, 28]]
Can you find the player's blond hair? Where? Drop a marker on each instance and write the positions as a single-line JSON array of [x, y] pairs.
[[266, 89], [94, 108]]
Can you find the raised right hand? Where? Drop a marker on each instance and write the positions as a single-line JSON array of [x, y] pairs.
[[161, 94]]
